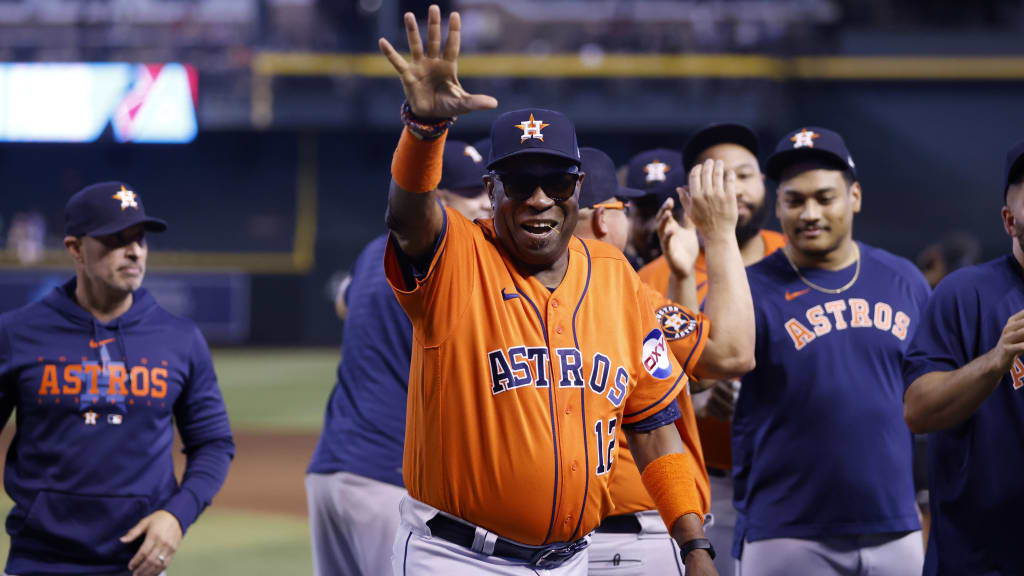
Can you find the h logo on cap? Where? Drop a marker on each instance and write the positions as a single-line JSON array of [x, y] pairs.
[[531, 129], [656, 171], [804, 138], [473, 154], [127, 198]]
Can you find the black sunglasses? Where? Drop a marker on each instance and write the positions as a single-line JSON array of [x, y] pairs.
[[559, 186]]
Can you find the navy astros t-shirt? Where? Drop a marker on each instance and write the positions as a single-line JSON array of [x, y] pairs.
[[820, 447], [976, 469]]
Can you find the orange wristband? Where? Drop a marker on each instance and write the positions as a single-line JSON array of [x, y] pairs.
[[416, 165], [669, 481]]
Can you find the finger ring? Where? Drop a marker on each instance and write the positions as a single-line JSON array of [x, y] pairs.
[[162, 559]]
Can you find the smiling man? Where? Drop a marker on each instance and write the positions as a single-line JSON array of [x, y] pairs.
[[821, 456], [100, 374], [531, 348]]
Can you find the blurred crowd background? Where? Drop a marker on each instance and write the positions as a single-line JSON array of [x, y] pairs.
[[262, 130], [285, 118]]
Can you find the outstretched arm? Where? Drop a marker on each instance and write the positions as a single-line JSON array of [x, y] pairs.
[[434, 95]]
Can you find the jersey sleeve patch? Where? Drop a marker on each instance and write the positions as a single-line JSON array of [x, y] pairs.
[[675, 322], [655, 355]]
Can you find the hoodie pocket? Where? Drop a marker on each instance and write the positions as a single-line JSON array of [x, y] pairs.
[[83, 527]]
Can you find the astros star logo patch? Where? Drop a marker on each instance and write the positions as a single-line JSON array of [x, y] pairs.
[[531, 129], [675, 322], [127, 198], [656, 171], [804, 138]]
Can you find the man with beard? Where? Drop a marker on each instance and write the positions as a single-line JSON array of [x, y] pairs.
[[658, 172], [821, 455], [964, 377], [522, 369], [736, 146]]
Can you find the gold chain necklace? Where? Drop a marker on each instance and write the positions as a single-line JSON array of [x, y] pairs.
[[856, 273]]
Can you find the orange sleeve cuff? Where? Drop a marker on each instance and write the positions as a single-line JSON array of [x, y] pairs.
[[416, 165], [670, 483]]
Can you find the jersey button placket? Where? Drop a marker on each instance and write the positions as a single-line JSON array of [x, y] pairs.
[[561, 337]]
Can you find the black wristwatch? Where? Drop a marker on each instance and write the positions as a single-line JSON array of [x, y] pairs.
[[696, 544]]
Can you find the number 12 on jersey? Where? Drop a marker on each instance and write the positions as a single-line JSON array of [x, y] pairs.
[[605, 444]]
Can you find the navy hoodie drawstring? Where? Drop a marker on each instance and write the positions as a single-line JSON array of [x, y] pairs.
[[122, 341]]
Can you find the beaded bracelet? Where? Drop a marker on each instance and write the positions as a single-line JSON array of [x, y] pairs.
[[424, 129]]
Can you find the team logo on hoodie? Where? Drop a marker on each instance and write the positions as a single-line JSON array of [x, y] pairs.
[[103, 384]]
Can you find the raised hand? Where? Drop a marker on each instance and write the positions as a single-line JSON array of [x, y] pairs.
[[710, 199], [679, 242], [430, 81]]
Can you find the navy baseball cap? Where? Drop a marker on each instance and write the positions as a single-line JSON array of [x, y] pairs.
[[715, 134], [462, 170], [600, 183], [533, 131], [657, 172], [810, 143], [107, 208], [1014, 166]]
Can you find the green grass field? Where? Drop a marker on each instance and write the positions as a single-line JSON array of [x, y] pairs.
[[264, 390], [276, 389]]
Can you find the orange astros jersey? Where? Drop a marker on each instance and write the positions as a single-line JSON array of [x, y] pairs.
[[715, 435], [517, 393]]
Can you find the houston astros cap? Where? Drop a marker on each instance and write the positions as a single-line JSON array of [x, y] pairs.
[[809, 143], [600, 183], [1014, 166], [462, 170], [715, 134], [533, 131], [107, 208], [657, 172]]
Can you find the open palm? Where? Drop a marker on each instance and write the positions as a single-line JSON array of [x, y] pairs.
[[679, 242], [430, 80]]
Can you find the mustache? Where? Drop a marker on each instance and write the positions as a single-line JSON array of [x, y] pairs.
[[805, 227]]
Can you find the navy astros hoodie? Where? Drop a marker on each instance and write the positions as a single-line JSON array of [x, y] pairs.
[[92, 453]]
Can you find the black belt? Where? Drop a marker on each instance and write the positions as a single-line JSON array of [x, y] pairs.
[[540, 556], [620, 524]]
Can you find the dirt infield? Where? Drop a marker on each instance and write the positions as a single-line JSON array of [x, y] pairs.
[[266, 476], [268, 472]]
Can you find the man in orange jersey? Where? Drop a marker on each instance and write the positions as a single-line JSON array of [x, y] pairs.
[[737, 147], [531, 348], [636, 542]]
